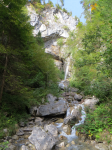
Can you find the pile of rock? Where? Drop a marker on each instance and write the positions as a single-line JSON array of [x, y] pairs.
[[40, 132]]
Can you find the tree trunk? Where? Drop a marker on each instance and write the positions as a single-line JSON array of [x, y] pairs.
[[3, 79]]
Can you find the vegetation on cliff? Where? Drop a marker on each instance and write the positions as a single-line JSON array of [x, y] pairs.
[[91, 48], [27, 73]]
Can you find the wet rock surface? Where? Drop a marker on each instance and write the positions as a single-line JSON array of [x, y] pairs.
[[54, 131]]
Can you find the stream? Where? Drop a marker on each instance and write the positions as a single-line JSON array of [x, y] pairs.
[[57, 116], [72, 142]]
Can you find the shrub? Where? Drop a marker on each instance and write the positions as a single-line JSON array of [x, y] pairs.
[[60, 42], [55, 18], [66, 28], [58, 7], [65, 10], [51, 3], [47, 6]]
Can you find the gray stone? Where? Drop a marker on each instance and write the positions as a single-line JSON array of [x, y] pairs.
[[110, 146], [63, 84], [23, 147], [66, 129], [78, 97], [52, 29], [52, 129], [73, 89], [34, 111], [51, 98], [42, 140], [11, 147], [90, 102], [22, 124], [101, 146], [27, 129], [38, 121], [74, 114], [15, 137], [20, 132], [5, 130], [54, 108]]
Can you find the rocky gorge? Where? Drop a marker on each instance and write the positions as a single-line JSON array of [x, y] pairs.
[[52, 125]]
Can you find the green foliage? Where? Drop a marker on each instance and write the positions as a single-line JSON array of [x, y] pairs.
[[61, 75], [66, 27], [58, 7], [25, 68], [38, 7], [65, 10], [60, 42], [98, 121], [91, 48], [80, 24], [62, 2], [50, 3], [69, 13], [55, 18], [4, 145]]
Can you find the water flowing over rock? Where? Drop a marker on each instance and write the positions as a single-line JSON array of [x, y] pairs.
[[63, 85], [55, 131], [73, 114]]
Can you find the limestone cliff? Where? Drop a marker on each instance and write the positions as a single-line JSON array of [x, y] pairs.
[[53, 24]]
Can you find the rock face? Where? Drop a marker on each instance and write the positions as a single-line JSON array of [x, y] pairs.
[[42, 140], [54, 108], [53, 24], [52, 129], [73, 114], [90, 102]]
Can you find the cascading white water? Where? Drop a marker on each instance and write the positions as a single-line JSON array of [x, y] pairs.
[[73, 132], [66, 71]]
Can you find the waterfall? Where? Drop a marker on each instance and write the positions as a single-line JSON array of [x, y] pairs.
[[73, 132], [66, 71]]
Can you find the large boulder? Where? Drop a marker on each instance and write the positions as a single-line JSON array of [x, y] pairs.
[[54, 108], [90, 102], [67, 129], [63, 84], [51, 98], [78, 97], [34, 111], [52, 129], [41, 139], [73, 114]]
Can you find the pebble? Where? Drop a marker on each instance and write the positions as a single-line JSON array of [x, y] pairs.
[[26, 136], [73, 142], [67, 145], [15, 137]]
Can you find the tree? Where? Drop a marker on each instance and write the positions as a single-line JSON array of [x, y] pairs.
[[22, 59], [62, 2]]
